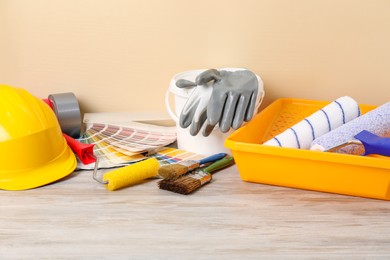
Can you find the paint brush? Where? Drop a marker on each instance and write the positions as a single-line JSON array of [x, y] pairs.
[[190, 182], [175, 170]]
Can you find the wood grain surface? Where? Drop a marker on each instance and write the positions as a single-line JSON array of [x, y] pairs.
[[77, 218]]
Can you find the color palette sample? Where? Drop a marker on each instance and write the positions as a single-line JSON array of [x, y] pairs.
[[118, 145]]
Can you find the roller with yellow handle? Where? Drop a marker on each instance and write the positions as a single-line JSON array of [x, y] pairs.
[[129, 175]]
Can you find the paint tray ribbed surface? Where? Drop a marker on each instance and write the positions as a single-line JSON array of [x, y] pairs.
[[355, 175]]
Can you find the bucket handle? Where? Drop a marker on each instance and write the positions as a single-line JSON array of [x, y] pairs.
[[168, 107]]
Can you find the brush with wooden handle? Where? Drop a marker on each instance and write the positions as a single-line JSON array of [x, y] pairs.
[[175, 170], [189, 183]]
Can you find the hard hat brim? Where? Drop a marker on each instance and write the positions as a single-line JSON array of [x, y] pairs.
[[60, 167]]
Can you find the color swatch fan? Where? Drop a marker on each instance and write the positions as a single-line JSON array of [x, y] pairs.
[[121, 141]]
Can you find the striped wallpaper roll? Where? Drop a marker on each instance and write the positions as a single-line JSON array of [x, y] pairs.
[[335, 114]]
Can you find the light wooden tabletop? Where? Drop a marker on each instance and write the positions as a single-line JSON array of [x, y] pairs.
[[77, 218]]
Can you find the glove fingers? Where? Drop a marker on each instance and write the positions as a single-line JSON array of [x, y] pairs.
[[216, 106], [208, 128], [207, 76], [240, 112], [183, 83], [251, 108], [200, 115], [197, 123], [188, 112], [185, 119], [228, 112]]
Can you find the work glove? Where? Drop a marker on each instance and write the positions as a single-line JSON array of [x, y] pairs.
[[232, 100], [194, 112]]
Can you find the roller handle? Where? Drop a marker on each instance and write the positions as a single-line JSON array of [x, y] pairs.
[[212, 158], [83, 151], [374, 144], [220, 164]]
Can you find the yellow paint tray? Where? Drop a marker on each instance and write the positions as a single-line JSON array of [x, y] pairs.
[[346, 174]]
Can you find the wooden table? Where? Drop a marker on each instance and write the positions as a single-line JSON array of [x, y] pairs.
[[77, 218]]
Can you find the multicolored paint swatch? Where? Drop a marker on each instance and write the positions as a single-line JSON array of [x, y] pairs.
[[116, 145]]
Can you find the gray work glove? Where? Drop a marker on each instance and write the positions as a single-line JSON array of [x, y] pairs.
[[194, 112], [227, 97], [233, 100]]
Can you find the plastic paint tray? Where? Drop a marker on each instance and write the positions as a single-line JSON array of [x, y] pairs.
[[346, 174]]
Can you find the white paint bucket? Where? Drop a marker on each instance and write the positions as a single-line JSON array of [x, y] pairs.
[[214, 143]]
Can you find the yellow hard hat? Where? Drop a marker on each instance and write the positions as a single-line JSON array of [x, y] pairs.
[[33, 151]]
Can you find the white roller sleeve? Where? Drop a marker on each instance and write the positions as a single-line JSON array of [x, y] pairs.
[[301, 135]]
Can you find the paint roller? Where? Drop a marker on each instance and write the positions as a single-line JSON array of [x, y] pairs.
[[120, 177], [67, 110], [372, 144], [333, 115], [128, 175], [146, 169], [376, 121]]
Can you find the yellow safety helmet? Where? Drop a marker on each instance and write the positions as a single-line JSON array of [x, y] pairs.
[[33, 151]]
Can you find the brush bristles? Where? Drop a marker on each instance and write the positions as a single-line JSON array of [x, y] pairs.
[[184, 187], [172, 171], [185, 184]]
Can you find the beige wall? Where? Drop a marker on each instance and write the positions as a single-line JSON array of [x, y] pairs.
[[120, 55]]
